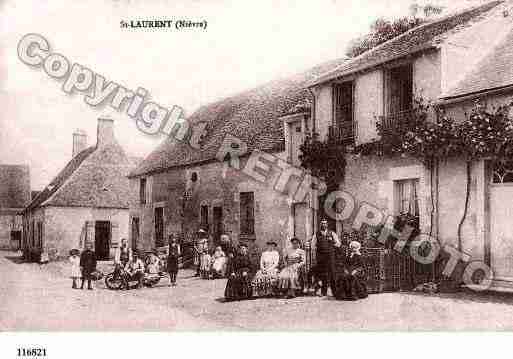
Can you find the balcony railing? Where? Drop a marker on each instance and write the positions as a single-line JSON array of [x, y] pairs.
[[397, 122], [343, 133]]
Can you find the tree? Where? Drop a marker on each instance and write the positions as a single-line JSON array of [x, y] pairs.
[[383, 30]]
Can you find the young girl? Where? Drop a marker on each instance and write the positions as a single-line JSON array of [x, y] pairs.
[[218, 263], [205, 265], [75, 266], [153, 266]]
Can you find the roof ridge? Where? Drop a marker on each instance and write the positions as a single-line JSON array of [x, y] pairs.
[[478, 66], [404, 34], [36, 201]]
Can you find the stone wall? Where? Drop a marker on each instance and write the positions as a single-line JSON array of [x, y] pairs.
[[65, 228], [217, 185]]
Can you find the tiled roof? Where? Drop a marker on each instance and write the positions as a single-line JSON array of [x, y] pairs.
[[252, 116], [14, 186], [494, 71], [420, 38], [96, 177]]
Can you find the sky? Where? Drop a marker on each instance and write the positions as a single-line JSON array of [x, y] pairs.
[[246, 43]]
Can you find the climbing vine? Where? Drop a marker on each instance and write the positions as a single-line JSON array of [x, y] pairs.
[[325, 159], [485, 133]]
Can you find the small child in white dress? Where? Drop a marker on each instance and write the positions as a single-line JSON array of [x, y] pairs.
[[74, 259]]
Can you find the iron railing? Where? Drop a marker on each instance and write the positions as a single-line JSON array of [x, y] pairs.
[[397, 122]]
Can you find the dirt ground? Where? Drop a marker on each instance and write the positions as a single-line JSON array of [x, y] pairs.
[[39, 298]]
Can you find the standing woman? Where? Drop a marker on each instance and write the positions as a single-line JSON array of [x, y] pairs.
[[172, 259], [289, 277], [239, 276]]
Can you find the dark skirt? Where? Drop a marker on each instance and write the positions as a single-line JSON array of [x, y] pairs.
[[238, 287], [172, 264], [350, 287]]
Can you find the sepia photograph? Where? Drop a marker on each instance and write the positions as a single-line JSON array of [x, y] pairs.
[[219, 166]]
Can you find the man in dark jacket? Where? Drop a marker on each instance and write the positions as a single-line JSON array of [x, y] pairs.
[[324, 244], [87, 265]]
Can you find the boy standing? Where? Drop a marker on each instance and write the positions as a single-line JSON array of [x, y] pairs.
[[87, 265]]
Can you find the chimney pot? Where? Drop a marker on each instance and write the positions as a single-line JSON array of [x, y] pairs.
[[79, 141]]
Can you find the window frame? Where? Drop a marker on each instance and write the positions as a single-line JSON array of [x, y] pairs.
[[389, 110]]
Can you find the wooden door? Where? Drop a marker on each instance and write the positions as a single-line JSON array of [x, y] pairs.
[[102, 237], [217, 230]]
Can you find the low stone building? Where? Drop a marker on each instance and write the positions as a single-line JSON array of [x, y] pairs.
[[14, 196], [87, 201], [182, 189]]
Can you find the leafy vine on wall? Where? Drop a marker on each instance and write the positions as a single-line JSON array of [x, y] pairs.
[[325, 159]]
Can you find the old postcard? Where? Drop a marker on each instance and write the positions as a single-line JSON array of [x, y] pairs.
[[211, 166]]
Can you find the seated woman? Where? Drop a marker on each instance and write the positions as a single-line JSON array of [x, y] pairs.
[[290, 276], [264, 283], [351, 285], [239, 276], [218, 263]]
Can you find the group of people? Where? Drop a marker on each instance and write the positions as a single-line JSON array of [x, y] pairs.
[[83, 265], [211, 261], [344, 274], [275, 275]]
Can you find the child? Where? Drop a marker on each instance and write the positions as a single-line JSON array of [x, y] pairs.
[[218, 263], [153, 267], [75, 266], [205, 265], [172, 260]]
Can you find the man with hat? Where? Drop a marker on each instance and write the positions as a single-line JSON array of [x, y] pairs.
[[323, 246]]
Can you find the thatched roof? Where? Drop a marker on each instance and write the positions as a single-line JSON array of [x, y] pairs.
[[253, 116], [95, 177]]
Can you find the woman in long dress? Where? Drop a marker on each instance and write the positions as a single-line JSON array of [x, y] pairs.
[[264, 283], [290, 276], [353, 286], [239, 276]]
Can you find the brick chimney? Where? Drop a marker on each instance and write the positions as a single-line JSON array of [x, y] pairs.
[[79, 142], [105, 133]]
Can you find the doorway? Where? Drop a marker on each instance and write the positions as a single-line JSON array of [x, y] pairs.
[[300, 222], [135, 232], [501, 226], [102, 237], [217, 230]]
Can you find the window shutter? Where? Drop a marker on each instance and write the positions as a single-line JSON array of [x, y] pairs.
[[89, 233]]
